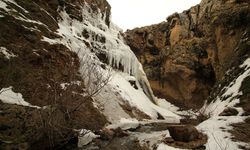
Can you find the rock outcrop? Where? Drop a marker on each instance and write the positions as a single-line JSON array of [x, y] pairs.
[[186, 55], [65, 67], [46, 75]]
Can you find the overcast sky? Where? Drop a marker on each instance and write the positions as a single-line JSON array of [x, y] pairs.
[[128, 14]]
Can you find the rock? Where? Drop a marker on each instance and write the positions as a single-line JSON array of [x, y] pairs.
[[186, 137], [229, 112], [193, 49], [106, 134], [61, 2], [185, 133], [119, 132]]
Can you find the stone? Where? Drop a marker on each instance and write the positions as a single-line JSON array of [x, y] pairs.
[[106, 134], [183, 133], [229, 112], [185, 77]]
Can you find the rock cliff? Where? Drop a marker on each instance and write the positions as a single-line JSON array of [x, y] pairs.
[[64, 66], [185, 56], [68, 79]]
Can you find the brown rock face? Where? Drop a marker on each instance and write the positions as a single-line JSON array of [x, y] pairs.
[[38, 72], [184, 133], [186, 55]]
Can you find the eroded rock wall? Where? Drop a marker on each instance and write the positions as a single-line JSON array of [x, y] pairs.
[[188, 53]]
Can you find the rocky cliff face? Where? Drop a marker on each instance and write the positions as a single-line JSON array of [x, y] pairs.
[[188, 54], [44, 74], [65, 66], [67, 76]]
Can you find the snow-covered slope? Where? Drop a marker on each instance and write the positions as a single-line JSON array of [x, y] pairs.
[[218, 127], [125, 68]]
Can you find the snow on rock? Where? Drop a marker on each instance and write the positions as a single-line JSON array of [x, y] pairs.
[[163, 146], [125, 124], [166, 105], [3, 5], [65, 85], [85, 137], [107, 102], [132, 123], [7, 54], [217, 127], [152, 138], [137, 98], [230, 95], [8, 96], [108, 40], [13, 2]]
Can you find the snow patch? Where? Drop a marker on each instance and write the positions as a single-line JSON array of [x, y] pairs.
[[13, 2], [163, 146], [231, 94], [3, 5], [7, 54], [152, 138], [125, 124], [217, 128], [50, 41], [85, 137], [8, 96], [64, 85]]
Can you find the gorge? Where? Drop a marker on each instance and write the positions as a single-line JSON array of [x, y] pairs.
[[71, 79]]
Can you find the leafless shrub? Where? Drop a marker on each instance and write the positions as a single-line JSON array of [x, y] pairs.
[[56, 121]]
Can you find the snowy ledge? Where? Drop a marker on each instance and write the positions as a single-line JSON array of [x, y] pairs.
[[7, 54], [8, 96]]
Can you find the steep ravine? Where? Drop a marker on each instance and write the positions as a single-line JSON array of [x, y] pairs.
[[70, 79], [65, 67]]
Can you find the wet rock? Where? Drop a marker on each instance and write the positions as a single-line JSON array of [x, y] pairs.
[[229, 112]]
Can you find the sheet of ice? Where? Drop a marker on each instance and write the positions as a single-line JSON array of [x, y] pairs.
[[85, 137], [8, 96], [7, 54]]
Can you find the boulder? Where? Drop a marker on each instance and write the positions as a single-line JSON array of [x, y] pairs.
[[183, 133], [229, 112]]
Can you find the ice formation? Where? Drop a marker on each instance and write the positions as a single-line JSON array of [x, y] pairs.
[[93, 36]]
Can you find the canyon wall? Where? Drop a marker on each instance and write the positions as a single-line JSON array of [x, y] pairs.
[[185, 56]]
